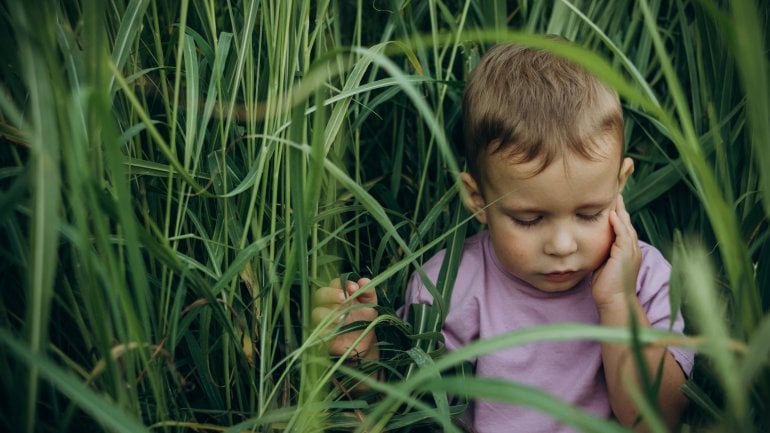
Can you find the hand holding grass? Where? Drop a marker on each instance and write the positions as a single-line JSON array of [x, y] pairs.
[[347, 306]]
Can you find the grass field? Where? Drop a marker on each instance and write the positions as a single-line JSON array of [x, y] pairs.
[[176, 178]]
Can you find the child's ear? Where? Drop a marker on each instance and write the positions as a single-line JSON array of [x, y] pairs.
[[472, 198], [626, 169]]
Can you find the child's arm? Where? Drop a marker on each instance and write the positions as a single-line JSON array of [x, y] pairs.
[[619, 272], [332, 300]]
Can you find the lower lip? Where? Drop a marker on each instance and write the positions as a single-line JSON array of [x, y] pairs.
[[560, 277]]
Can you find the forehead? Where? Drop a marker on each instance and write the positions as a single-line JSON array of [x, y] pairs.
[[537, 153], [567, 183], [544, 147]]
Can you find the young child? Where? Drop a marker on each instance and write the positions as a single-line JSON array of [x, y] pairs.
[[544, 148]]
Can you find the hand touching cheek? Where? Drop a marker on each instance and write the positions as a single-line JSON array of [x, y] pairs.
[[617, 276]]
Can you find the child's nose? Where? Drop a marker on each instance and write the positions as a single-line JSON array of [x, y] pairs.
[[561, 242]]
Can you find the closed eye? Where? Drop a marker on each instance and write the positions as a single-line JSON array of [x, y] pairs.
[[527, 222], [590, 217]]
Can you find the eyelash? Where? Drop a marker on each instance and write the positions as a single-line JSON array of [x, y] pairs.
[[528, 223], [590, 218], [537, 220]]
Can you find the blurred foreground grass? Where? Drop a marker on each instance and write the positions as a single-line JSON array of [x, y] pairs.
[[176, 178]]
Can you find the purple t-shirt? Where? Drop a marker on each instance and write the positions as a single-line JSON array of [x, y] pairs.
[[487, 301]]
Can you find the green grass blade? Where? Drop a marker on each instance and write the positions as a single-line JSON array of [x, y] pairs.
[[710, 319], [45, 191], [757, 357], [723, 220], [130, 25], [518, 394], [103, 411], [749, 39]]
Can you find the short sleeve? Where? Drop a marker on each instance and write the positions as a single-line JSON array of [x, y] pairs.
[[461, 324], [653, 292], [416, 293]]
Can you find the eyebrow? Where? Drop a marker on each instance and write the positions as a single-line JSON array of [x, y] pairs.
[[534, 210], [596, 204]]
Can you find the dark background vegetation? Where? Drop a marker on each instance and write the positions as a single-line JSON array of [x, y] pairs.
[[177, 177]]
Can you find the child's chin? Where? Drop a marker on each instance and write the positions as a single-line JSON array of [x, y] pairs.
[[551, 289], [558, 286]]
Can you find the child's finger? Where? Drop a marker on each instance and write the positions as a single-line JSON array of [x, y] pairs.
[[623, 234], [618, 217], [626, 238], [328, 296], [616, 223], [369, 296], [320, 314], [622, 212], [625, 217]]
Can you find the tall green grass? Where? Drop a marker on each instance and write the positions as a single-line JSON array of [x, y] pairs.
[[177, 178]]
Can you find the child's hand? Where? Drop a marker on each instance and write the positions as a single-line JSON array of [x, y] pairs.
[[332, 300], [618, 274]]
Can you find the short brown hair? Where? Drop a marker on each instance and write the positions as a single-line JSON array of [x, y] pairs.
[[535, 105]]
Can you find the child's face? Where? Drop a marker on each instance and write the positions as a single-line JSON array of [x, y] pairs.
[[551, 229]]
